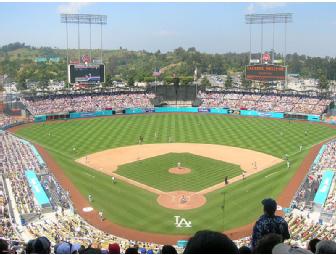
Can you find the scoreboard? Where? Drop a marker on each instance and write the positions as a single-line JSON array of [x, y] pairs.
[[88, 74], [266, 72]]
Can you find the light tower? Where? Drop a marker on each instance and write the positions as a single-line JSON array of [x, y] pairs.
[[88, 19]]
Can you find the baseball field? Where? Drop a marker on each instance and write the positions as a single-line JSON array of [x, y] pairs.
[[132, 201]]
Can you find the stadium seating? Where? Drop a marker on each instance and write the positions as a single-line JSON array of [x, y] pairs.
[[266, 103], [6, 120], [86, 103]]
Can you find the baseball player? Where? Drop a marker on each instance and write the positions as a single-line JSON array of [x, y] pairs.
[[288, 164], [113, 180], [90, 198], [300, 147], [101, 215], [141, 139]]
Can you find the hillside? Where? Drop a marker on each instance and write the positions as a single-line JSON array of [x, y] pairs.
[[17, 61]]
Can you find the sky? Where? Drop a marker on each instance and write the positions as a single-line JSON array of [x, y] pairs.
[[209, 27]]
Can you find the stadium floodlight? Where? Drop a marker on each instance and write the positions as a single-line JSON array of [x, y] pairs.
[[268, 18], [88, 19], [275, 18], [84, 19]]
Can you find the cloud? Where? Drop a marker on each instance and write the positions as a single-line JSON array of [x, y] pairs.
[[72, 8]]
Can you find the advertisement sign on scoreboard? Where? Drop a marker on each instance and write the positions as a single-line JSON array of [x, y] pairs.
[[265, 72]]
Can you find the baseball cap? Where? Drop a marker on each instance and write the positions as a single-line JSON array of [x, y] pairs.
[[114, 248], [67, 248], [270, 205], [41, 245], [282, 248]]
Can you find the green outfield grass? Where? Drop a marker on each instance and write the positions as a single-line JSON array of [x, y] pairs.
[[135, 208], [205, 172]]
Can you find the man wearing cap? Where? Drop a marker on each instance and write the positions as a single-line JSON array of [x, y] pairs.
[[269, 223], [40, 245], [67, 248]]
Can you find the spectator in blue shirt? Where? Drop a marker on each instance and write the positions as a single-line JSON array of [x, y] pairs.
[[269, 223]]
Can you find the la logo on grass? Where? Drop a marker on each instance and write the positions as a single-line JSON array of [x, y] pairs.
[[182, 222]]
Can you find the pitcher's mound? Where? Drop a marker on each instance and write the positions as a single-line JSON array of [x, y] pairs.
[[181, 200], [179, 170]]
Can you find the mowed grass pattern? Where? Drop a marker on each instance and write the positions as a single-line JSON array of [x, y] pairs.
[[136, 208], [205, 172]]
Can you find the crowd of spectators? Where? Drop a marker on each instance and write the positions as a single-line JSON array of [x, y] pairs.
[[69, 235], [16, 157], [305, 195], [303, 229], [72, 228], [7, 230], [6, 120], [265, 103], [86, 103]]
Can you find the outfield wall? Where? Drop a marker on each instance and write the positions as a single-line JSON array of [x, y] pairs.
[[215, 110]]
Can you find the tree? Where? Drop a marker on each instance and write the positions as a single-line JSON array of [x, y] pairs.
[[323, 83], [245, 83], [21, 85], [205, 82], [43, 83], [228, 82], [130, 81], [108, 80]]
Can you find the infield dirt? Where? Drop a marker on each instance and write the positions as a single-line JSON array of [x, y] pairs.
[[250, 161]]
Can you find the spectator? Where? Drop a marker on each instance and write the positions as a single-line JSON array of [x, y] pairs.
[[312, 245], [41, 245], [29, 247], [168, 249], [326, 247], [282, 248], [3, 246], [114, 248], [269, 223], [91, 250], [210, 242], [244, 250], [67, 248], [131, 250], [267, 243]]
